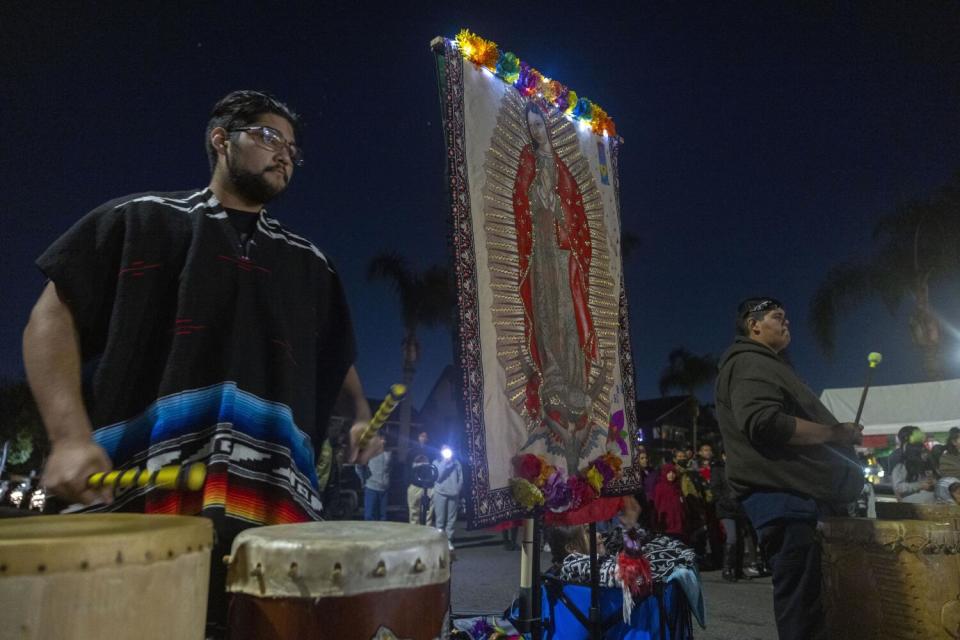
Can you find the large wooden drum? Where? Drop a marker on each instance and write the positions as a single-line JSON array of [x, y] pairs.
[[339, 581], [104, 576], [896, 577]]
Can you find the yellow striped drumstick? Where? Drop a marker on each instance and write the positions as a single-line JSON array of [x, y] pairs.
[[189, 477], [396, 394]]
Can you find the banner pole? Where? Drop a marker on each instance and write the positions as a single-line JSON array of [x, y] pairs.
[[536, 617], [526, 577]]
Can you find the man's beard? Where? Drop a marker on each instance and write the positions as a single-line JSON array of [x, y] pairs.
[[253, 187]]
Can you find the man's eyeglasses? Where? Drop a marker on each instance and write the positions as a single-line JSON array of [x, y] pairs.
[[271, 139]]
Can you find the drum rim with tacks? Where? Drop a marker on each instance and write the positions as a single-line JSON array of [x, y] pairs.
[[47, 544], [333, 559]]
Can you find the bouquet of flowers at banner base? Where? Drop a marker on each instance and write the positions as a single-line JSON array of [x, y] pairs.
[[536, 483]]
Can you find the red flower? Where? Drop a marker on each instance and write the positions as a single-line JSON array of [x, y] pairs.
[[581, 492], [527, 467]]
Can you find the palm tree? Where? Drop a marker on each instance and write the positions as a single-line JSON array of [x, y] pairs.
[[916, 248], [688, 372], [427, 299]]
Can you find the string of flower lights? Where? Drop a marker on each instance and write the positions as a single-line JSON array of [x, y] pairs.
[[529, 82]]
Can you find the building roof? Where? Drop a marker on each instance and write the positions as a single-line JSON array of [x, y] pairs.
[[655, 410]]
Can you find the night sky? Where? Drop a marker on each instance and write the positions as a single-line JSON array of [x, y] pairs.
[[762, 142]]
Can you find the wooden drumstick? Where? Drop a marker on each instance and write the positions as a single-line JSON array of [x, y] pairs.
[[394, 397], [188, 477]]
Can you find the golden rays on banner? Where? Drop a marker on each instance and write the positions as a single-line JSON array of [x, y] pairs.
[[543, 333], [555, 311]]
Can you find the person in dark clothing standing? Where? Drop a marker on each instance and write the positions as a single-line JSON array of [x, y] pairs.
[[420, 454], [648, 477], [735, 526], [788, 460]]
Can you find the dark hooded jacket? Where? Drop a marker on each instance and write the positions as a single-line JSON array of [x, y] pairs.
[[759, 398]]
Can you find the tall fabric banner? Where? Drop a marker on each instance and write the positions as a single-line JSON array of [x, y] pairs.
[[543, 336]]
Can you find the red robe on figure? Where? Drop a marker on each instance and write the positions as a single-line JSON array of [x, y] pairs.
[[575, 238]]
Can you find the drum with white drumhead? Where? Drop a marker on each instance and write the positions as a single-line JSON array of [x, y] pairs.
[[341, 580], [104, 576]]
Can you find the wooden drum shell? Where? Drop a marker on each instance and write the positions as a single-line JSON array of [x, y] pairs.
[[104, 575]]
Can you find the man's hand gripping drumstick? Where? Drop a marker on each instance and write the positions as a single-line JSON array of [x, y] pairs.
[[363, 445], [182, 477]]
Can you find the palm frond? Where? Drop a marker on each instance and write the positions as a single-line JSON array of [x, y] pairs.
[[438, 297], [845, 287], [687, 371], [426, 299]]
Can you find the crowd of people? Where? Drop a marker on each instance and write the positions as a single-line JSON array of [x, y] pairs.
[[686, 496], [433, 478], [922, 474]]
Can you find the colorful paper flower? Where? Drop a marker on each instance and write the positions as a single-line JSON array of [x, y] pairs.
[[546, 470], [528, 467], [526, 493], [561, 92], [598, 119], [581, 493], [607, 474], [614, 461], [529, 80], [595, 478], [572, 101], [556, 492], [582, 110], [550, 89], [478, 50], [508, 67]]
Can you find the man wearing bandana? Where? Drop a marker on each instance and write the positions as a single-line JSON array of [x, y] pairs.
[[788, 460]]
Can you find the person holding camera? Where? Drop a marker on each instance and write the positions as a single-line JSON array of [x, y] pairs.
[[419, 487], [446, 492]]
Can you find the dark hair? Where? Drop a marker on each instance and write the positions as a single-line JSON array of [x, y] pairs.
[[561, 539], [532, 107], [951, 447], [903, 436], [953, 487], [241, 108], [754, 308]]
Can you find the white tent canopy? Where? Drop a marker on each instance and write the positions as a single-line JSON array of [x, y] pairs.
[[932, 406]]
